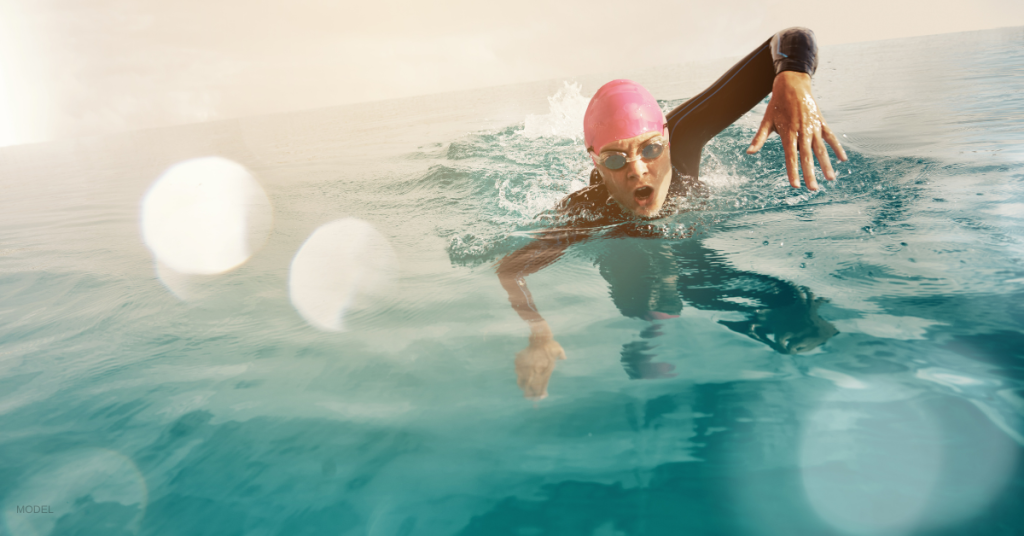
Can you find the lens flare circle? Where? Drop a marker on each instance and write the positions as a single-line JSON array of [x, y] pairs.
[[343, 265], [871, 470], [205, 216], [90, 485]]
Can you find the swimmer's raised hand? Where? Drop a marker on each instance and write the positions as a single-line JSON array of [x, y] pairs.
[[793, 113]]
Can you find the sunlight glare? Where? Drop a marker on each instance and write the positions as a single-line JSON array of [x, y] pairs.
[[205, 216]]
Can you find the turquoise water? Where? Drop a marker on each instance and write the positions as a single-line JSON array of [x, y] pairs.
[[845, 362]]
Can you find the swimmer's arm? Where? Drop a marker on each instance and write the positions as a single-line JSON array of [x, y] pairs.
[[512, 272], [793, 111], [536, 362], [695, 122]]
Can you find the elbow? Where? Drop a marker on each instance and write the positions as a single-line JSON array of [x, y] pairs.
[[502, 269], [508, 277], [511, 267]]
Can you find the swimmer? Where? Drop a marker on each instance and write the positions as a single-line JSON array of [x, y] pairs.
[[645, 162]]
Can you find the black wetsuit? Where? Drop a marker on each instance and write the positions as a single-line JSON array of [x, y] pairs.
[[692, 124], [651, 279]]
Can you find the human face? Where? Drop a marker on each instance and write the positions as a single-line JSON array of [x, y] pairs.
[[640, 186]]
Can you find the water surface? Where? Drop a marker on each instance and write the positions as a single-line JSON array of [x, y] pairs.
[[848, 361]]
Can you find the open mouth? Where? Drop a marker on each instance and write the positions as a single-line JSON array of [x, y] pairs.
[[643, 194]]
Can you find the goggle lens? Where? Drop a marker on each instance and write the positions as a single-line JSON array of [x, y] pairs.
[[614, 161], [650, 151]]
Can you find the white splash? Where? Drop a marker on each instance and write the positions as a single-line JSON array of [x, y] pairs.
[[565, 115]]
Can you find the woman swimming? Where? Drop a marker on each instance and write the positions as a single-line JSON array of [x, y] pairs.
[[644, 161]]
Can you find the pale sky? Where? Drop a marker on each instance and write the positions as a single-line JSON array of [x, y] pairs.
[[73, 68]]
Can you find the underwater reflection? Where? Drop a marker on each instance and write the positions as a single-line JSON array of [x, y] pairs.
[[652, 279], [638, 356]]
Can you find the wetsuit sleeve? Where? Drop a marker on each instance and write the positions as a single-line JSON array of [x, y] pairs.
[[692, 124], [794, 49]]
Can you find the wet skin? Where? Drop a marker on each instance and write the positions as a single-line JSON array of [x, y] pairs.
[[640, 187], [652, 280], [792, 113]]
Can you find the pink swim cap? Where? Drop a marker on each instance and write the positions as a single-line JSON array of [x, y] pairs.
[[620, 110]]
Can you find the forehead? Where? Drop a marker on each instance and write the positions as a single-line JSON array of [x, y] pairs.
[[624, 146]]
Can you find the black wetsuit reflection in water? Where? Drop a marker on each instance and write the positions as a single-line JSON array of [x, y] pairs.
[[652, 279]]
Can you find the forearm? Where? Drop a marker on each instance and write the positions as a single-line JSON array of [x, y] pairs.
[[747, 83], [513, 269], [519, 296]]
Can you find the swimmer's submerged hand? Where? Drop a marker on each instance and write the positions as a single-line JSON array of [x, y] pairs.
[[535, 364], [793, 113]]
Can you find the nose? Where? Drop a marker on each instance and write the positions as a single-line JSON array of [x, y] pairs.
[[636, 169]]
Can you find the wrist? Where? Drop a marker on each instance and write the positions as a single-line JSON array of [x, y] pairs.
[[791, 82], [793, 76], [539, 330]]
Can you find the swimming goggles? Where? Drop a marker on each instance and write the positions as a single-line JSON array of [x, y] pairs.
[[650, 151]]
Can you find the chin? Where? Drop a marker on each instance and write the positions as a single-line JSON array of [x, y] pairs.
[[651, 211], [647, 212]]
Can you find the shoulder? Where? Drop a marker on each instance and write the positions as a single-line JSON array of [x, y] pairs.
[[590, 197], [685, 186], [589, 207], [586, 198]]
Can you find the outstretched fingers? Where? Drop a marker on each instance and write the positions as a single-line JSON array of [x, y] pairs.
[[833, 141], [803, 133], [765, 130], [789, 146], [823, 160], [807, 162]]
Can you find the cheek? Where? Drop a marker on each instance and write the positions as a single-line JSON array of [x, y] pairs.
[[665, 165], [616, 188], [664, 172]]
